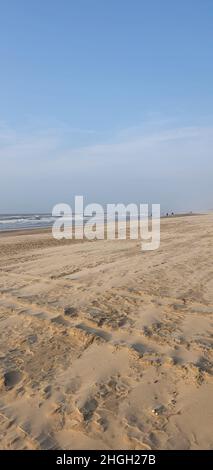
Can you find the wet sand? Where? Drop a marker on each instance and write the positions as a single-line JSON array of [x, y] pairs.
[[103, 346]]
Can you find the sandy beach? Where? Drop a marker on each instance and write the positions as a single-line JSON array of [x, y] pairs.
[[104, 346]]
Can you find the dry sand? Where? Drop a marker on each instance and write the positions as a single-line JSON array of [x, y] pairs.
[[105, 346]]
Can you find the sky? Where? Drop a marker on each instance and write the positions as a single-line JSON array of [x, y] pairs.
[[111, 100]]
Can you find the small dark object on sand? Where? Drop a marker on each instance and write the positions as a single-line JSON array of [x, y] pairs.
[[158, 410]]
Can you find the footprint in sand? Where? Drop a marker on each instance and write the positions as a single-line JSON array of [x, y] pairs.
[[47, 391], [89, 408], [12, 378], [103, 423], [71, 311], [32, 339]]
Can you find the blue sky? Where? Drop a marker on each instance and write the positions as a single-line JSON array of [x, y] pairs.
[[109, 99]]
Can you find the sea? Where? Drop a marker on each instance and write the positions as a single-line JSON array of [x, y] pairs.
[[25, 221], [9, 222]]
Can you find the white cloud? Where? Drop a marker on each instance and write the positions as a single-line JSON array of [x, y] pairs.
[[169, 163]]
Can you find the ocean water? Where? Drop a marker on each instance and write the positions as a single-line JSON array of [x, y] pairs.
[[10, 222], [25, 221]]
